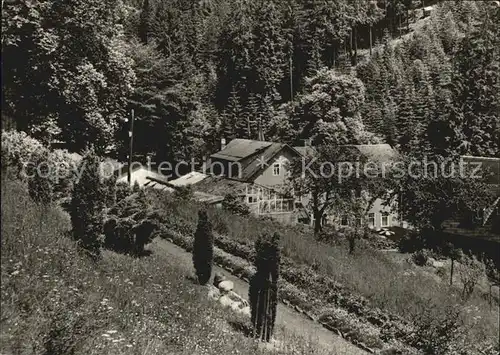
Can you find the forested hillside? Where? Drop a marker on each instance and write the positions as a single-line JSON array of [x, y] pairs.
[[438, 92], [198, 71]]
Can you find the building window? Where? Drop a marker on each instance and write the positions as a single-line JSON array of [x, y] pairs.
[[371, 220], [385, 219], [344, 221], [359, 221], [276, 169]]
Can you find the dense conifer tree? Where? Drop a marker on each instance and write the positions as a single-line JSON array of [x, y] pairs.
[[203, 248], [263, 292], [87, 204], [145, 21]]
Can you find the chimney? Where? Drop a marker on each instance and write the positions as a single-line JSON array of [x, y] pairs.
[[222, 143], [148, 160]]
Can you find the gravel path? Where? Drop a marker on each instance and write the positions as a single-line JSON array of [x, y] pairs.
[[288, 318]]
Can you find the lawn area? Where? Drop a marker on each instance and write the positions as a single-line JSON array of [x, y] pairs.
[[56, 301], [395, 287]]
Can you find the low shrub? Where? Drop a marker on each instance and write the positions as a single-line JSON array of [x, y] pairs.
[[130, 225], [122, 190], [410, 242], [184, 192], [471, 271], [19, 149], [440, 331], [329, 234], [44, 170], [420, 257], [39, 185], [235, 206], [110, 189]]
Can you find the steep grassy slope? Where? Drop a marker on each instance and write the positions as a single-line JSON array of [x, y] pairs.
[[55, 301]]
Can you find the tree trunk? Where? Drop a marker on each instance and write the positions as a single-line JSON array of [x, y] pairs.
[[333, 55], [249, 132], [317, 223], [291, 77], [267, 336], [352, 244], [371, 40], [351, 46], [399, 27], [490, 298], [355, 45], [345, 47], [451, 272]]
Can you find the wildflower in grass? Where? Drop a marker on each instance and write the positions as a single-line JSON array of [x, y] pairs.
[[203, 248], [263, 292]]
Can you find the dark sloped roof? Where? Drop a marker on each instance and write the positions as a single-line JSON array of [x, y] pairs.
[[260, 161], [239, 149], [220, 186], [372, 152], [207, 198], [305, 150], [250, 154]]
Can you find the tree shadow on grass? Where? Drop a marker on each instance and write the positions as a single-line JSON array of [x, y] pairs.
[[143, 253], [133, 253], [241, 327], [193, 279]]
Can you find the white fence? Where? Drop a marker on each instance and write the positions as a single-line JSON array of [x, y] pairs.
[[273, 206]]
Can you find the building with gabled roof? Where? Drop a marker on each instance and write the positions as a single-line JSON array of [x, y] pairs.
[[379, 214], [263, 163], [256, 172]]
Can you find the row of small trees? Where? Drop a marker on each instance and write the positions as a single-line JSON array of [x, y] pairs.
[[263, 292]]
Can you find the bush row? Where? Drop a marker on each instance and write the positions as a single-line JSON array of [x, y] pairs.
[[130, 224], [50, 174], [30, 161]]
